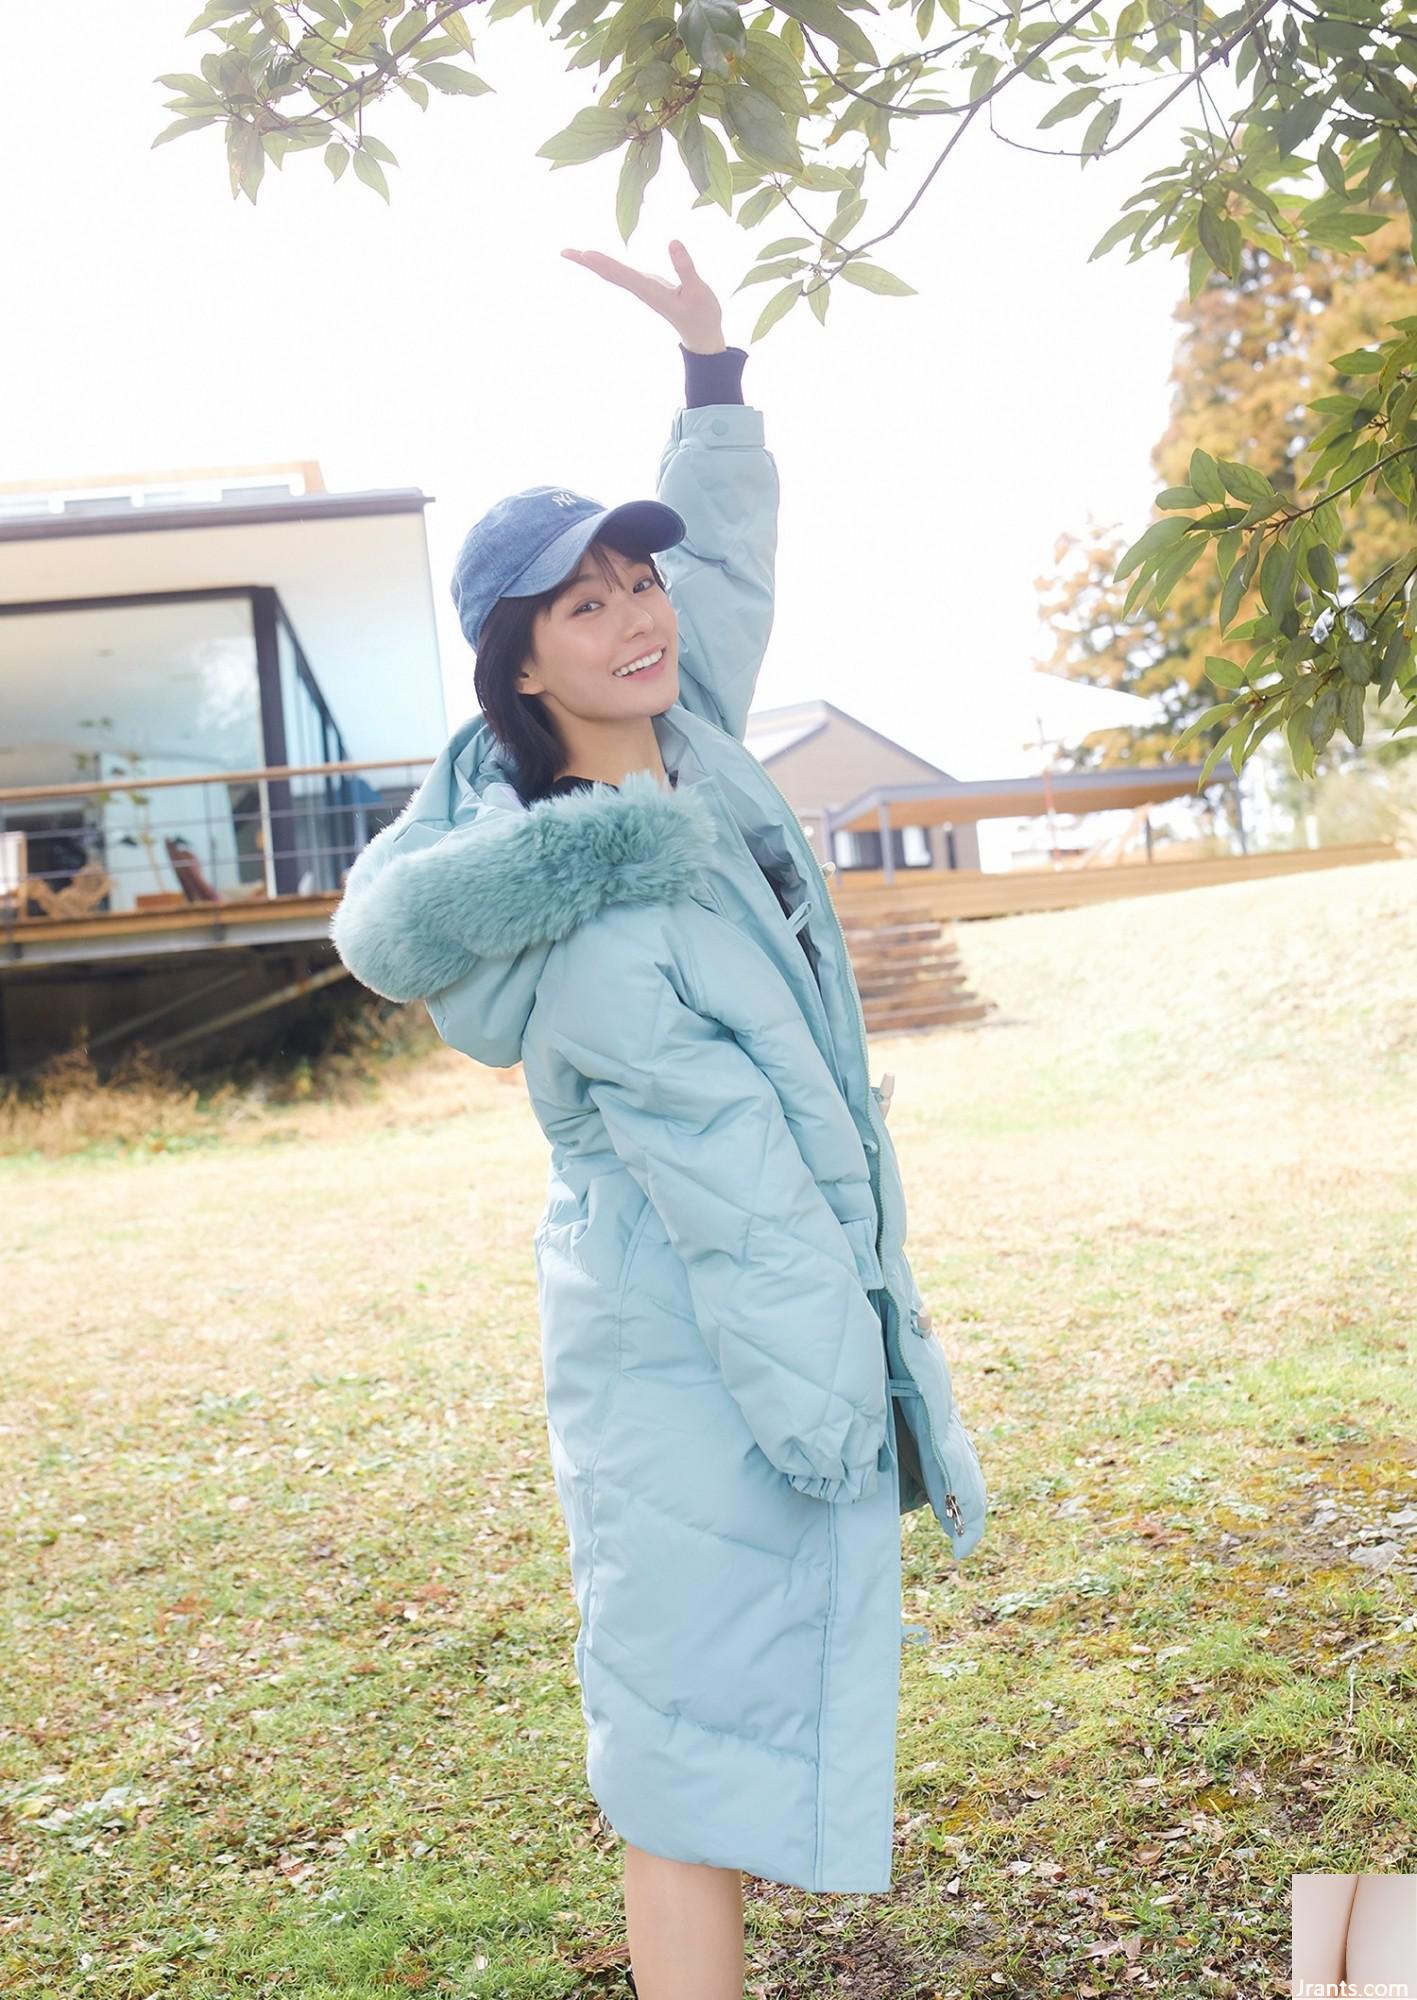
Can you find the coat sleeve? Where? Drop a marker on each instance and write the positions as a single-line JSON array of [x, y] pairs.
[[771, 1274], [717, 473]]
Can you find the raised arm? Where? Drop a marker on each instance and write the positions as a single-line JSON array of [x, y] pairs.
[[717, 473]]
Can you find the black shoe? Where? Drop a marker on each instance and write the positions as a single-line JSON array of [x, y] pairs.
[[633, 1988]]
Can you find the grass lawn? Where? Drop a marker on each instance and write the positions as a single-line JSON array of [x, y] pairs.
[[287, 1703]]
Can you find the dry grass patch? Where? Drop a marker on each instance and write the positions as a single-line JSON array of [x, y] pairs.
[[287, 1704]]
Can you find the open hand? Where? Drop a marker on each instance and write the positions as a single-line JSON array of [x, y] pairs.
[[690, 306]]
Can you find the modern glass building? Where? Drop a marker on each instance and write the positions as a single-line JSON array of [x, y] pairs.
[[169, 633], [181, 660]]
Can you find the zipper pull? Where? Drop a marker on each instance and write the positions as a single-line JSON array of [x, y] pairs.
[[952, 1509]]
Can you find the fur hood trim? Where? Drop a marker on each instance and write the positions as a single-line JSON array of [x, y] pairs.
[[506, 880]]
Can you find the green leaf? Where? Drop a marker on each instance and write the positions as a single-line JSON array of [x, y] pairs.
[[1235, 587], [1323, 718], [193, 124], [1321, 567], [455, 82], [759, 128], [780, 267], [1231, 740], [848, 215], [823, 17], [1350, 712], [414, 23], [1205, 720], [1358, 361], [711, 31], [1069, 107], [1225, 673], [369, 171], [246, 158], [1270, 720], [871, 278], [590, 133], [1204, 476], [693, 151], [784, 244], [367, 23], [1395, 653], [1179, 496], [1244, 482], [220, 10], [1127, 225], [641, 163], [781, 302], [1161, 535], [416, 88], [986, 70], [190, 86], [336, 157], [456, 26], [1296, 729], [1407, 184], [1100, 129], [819, 297], [720, 171], [757, 206], [1172, 567], [1357, 664]]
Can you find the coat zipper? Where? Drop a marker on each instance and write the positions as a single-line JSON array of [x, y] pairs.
[[873, 1170], [952, 1507]]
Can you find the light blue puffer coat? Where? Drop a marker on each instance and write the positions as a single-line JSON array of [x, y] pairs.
[[743, 1390]]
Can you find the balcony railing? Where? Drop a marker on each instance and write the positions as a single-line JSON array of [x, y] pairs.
[[125, 847]]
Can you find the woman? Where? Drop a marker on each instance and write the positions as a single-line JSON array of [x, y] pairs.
[[598, 880]]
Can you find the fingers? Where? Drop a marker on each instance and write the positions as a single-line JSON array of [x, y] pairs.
[[639, 282], [644, 284]]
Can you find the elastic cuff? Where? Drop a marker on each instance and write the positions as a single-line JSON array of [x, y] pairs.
[[713, 378], [859, 1484]]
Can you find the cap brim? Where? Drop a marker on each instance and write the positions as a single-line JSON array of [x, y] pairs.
[[649, 523]]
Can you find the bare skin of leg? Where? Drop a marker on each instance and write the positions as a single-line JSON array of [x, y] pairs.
[[1382, 1934], [685, 1923], [1319, 1907]]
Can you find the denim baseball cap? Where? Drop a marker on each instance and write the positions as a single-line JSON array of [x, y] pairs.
[[532, 539]]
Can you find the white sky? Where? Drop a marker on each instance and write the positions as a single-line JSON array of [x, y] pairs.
[[930, 449]]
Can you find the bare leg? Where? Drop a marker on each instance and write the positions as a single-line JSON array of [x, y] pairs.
[[685, 1922], [1319, 1909], [1382, 1934]]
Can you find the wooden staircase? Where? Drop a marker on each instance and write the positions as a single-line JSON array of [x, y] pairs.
[[907, 970]]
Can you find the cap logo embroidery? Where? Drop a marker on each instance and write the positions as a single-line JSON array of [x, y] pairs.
[[564, 499]]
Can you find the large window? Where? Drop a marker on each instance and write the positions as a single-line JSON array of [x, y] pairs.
[[318, 828], [910, 848], [198, 682], [170, 682]]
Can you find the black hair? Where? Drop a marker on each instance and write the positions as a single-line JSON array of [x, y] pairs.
[[519, 721]]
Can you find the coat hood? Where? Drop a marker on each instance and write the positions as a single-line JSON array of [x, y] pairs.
[[468, 884]]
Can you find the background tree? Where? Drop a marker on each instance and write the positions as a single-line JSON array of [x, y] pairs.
[[1250, 353], [746, 100]]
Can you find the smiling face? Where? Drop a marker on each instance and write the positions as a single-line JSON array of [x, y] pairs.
[[611, 611]]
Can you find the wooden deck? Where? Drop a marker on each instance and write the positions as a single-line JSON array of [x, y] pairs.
[[963, 893], [918, 896], [193, 927]]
